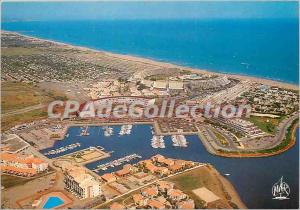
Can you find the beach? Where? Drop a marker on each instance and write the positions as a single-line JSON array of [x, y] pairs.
[[167, 65]]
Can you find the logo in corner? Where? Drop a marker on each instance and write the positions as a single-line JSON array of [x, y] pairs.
[[281, 190]]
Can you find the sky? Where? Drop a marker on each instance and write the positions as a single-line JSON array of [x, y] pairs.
[[41, 11]]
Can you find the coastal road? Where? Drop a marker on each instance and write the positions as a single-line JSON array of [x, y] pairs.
[[283, 126]]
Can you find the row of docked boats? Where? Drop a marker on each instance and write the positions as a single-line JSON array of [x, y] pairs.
[[158, 142], [108, 131], [179, 141], [84, 131], [125, 129], [63, 149], [117, 162]]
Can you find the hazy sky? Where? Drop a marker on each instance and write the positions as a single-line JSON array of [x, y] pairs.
[[146, 10]]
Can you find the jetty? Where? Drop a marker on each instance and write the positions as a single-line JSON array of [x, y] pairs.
[[63, 149], [117, 162]]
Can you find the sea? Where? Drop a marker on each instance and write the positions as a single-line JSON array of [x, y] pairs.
[[253, 178], [266, 48]]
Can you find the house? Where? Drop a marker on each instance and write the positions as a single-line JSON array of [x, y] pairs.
[[123, 172], [175, 168], [161, 171], [116, 205], [189, 204], [176, 194], [22, 165], [155, 204], [164, 186], [139, 200], [150, 192], [157, 158], [108, 177]]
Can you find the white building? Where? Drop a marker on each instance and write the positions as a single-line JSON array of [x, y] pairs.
[[81, 183]]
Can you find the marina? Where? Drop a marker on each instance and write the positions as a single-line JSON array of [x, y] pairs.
[[108, 131], [141, 141], [179, 141], [158, 142], [63, 149], [117, 162], [125, 130]]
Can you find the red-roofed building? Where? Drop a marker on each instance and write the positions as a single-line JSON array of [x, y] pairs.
[[139, 200], [165, 186], [150, 192], [108, 177], [155, 204], [176, 194], [116, 205], [29, 164], [189, 204]]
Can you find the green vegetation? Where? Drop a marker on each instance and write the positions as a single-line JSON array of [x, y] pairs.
[[266, 124], [289, 136], [157, 77], [19, 95], [221, 138], [17, 51], [11, 181], [191, 180], [10, 121]]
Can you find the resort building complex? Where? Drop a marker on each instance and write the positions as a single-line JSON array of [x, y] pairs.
[[22, 165], [81, 183]]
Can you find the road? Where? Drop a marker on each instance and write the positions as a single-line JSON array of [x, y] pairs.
[[24, 110]]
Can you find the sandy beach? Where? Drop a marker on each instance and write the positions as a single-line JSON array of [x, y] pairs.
[[169, 65]]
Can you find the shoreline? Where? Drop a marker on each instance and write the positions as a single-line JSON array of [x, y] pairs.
[[154, 62]]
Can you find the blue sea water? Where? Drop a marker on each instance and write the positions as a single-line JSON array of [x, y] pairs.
[[266, 48], [53, 202], [253, 178]]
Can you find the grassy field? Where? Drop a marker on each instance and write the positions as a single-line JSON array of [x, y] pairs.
[[200, 177], [12, 51], [266, 124], [11, 181], [221, 138], [19, 95], [10, 121]]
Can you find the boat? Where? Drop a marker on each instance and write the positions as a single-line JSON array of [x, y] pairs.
[[63, 149], [108, 131], [158, 142], [85, 132], [125, 129], [179, 141]]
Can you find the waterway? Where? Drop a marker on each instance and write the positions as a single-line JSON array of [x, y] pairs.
[[253, 178]]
